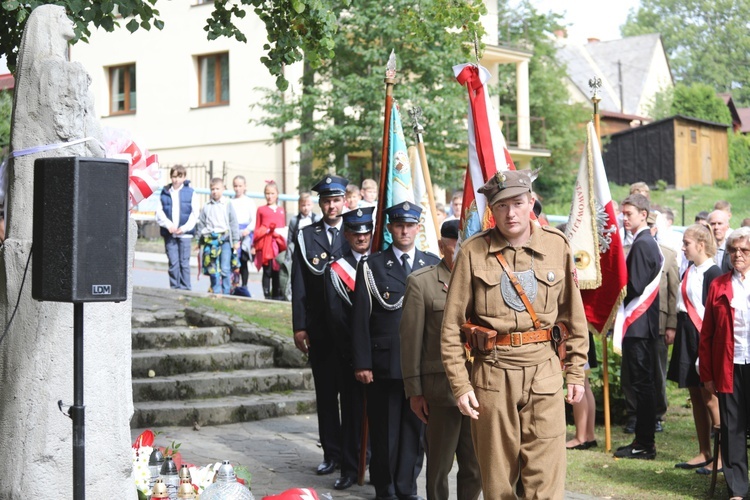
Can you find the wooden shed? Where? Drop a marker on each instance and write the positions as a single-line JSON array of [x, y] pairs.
[[680, 150]]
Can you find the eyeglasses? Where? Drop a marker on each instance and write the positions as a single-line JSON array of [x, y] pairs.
[[744, 251]]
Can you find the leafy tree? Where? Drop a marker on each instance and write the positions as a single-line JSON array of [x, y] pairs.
[[6, 106], [739, 158], [706, 40], [700, 101], [339, 113], [563, 132]]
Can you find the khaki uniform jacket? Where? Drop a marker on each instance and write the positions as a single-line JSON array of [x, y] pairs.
[[669, 287], [422, 317], [475, 294]]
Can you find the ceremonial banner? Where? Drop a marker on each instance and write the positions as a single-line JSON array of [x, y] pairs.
[[399, 187], [595, 240], [427, 238], [487, 150]]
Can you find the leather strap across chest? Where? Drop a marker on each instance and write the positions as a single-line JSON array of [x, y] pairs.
[[519, 290]]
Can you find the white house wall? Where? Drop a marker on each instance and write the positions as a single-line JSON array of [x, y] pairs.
[[659, 78], [168, 120]]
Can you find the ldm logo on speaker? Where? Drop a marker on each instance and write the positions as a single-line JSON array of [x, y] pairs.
[[101, 289]]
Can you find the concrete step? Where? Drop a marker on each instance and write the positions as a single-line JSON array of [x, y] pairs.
[[157, 318], [231, 356], [219, 411], [178, 336], [221, 384]]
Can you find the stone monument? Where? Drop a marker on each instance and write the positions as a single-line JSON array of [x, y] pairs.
[[52, 106]]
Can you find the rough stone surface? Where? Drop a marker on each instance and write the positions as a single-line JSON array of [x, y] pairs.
[[53, 105]]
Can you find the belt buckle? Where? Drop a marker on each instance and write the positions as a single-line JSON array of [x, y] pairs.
[[515, 339]]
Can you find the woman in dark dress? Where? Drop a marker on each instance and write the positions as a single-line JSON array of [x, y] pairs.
[[699, 248]]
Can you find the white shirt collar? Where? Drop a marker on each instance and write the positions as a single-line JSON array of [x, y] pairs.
[[398, 253]]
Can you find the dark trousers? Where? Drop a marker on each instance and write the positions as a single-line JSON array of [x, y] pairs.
[[396, 440], [271, 284], [734, 409], [178, 256], [660, 351], [448, 434], [244, 263], [352, 408], [638, 360], [327, 373]]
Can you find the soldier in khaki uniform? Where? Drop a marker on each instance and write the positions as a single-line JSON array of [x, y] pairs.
[[515, 395], [448, 433]]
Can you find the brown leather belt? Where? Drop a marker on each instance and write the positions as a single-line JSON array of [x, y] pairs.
[[517, 339]]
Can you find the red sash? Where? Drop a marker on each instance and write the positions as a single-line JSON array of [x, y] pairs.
[[692, 312]]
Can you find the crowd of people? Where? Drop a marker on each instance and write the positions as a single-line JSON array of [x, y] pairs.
[[463, 355]]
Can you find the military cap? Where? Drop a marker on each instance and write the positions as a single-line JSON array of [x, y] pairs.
[[404, 212], [359, 220], [507, 184], [449, 229], [331, 185]]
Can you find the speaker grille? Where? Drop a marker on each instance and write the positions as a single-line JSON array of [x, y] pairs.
[[80, 230]]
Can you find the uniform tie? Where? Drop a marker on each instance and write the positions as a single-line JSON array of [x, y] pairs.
[[334, 232], [405, 261]]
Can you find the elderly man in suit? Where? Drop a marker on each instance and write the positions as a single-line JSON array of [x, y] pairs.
[[719, 222], [448, 433], [395, 431], [317, 245], [339, 292]]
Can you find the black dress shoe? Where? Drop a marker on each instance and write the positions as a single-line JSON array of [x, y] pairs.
[[327, 467], [343, 483]]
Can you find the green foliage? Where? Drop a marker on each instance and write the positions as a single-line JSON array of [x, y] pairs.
[[563, 133], [294, 28], [739, 159], [6, 110], [661, 104], [339, 113], [105, 14], [700, 101], [705, 40]]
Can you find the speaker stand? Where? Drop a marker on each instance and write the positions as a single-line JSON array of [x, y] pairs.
[[77, 410]]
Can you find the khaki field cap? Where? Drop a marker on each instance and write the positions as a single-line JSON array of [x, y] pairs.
[[507, 184]]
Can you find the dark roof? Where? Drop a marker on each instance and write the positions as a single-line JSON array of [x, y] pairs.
[[671, 118], [634, 53]]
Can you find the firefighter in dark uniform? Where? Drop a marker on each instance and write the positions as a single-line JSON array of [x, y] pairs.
[[317, 245], [339, 282], [395, 431]]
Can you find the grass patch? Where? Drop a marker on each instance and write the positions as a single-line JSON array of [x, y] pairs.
[[697, 198], [599, 474], [271, 315]]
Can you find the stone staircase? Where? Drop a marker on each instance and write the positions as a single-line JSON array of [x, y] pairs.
[[194, 366]]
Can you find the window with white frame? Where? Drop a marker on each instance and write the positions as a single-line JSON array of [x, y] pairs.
[[122, 90], [213, 71]]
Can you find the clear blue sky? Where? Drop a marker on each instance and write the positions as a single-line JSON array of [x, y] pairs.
[[589, 18]]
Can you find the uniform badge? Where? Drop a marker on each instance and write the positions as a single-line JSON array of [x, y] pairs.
[[389, 264], [386, 295], [406, 206], [550, 276], [323, 255], [359, 213], [328, 180], [421, 262], [509, 293], [315, 261]]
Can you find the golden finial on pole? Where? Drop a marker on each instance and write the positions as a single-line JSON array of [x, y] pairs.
[[390, 68], [595, 84]]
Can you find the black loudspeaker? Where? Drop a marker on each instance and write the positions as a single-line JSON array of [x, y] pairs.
[[80, 230]]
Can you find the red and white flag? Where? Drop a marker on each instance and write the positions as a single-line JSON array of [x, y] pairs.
[[595, 240], [488, 153]]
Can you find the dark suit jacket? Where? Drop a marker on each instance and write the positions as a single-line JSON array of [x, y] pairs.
[[421, 321], [376, 313], [311, 255], [643, 267], [338, 310], [725, 264]]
